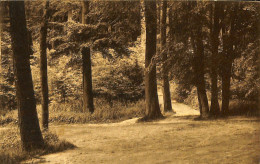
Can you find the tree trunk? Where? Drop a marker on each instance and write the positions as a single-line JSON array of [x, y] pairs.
[[229, 53], [226, 75], [200, 81], [167, 104], [214, 108], [87, 81], [199, 100], [43, 68], [151, 95], [1, 23], [31, 136], [199, 74], [87, 74]]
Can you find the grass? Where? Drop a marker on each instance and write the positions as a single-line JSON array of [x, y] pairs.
[[236, 107], [174, 139], [244, 107], [104, 113], [72, 112], [11, 149]]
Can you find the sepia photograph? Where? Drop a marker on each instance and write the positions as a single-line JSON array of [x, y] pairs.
[[129, 82]]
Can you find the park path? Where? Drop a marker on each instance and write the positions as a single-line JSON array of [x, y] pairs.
[[113, 142], [180, 108]]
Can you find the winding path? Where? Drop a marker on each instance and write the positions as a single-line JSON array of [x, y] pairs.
[[180, 108], [114, 142], [176, 139]]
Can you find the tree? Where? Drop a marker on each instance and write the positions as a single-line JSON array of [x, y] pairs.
[[1, 22], [31, 136], [187, 48], [151, 95], [166, 86], [86, 60], [214, 38], [228, 44], [198, 67], [43, 67], [240, 40], [112, 30], [199, 61]]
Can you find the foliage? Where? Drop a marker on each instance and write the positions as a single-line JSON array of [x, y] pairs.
[[71, 112], [180, 92], [107, 28], [245, 78], [11, 149], [121, 80], [7, 88]]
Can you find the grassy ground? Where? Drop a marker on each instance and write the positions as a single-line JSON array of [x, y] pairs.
[[172, 140], [11, 150], [72, 113], [176, 139]]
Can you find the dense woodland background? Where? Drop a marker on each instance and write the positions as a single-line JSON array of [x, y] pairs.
[[118, 58], [207, 52]]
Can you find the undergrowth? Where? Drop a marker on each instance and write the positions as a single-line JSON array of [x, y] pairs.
[[11, 149], [72, 112]]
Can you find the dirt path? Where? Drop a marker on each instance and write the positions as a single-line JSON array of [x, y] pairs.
[[179, 108], [176, 139], [173, 140]]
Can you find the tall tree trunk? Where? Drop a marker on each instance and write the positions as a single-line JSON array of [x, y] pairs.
[[43, 67], [31, 136], [226, 76], [228, 44], [199, 100], [214, 108], [201, 79], [199, 73], [87, 73], [151, 95], [87, 81], [167, 104], [1, 23]]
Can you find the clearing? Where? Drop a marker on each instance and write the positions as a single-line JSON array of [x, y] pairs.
[[173, 140], [176, 139]]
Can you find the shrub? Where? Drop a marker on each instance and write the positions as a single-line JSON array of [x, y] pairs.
[[244, 107], [11, 148], [121, 81], [72, 112], [181, 92]]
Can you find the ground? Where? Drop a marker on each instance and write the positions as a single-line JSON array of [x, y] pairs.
[[173, 140], [176, 139]]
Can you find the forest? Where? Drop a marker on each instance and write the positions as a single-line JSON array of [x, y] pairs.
[[104, 79]]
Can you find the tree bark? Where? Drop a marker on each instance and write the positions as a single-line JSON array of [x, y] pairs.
[[214, 108], [87, 81], [199, 71], [88, 104], [167, 104], [200, 105], [198, 66], [1, 23], [229, 53], [226, 76], [151, 95], [31, 136], [43, 68]]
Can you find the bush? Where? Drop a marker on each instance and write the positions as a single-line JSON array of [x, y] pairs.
[[72, 112], [11, 148], [181, 92], [121, 81], [244, 107]]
